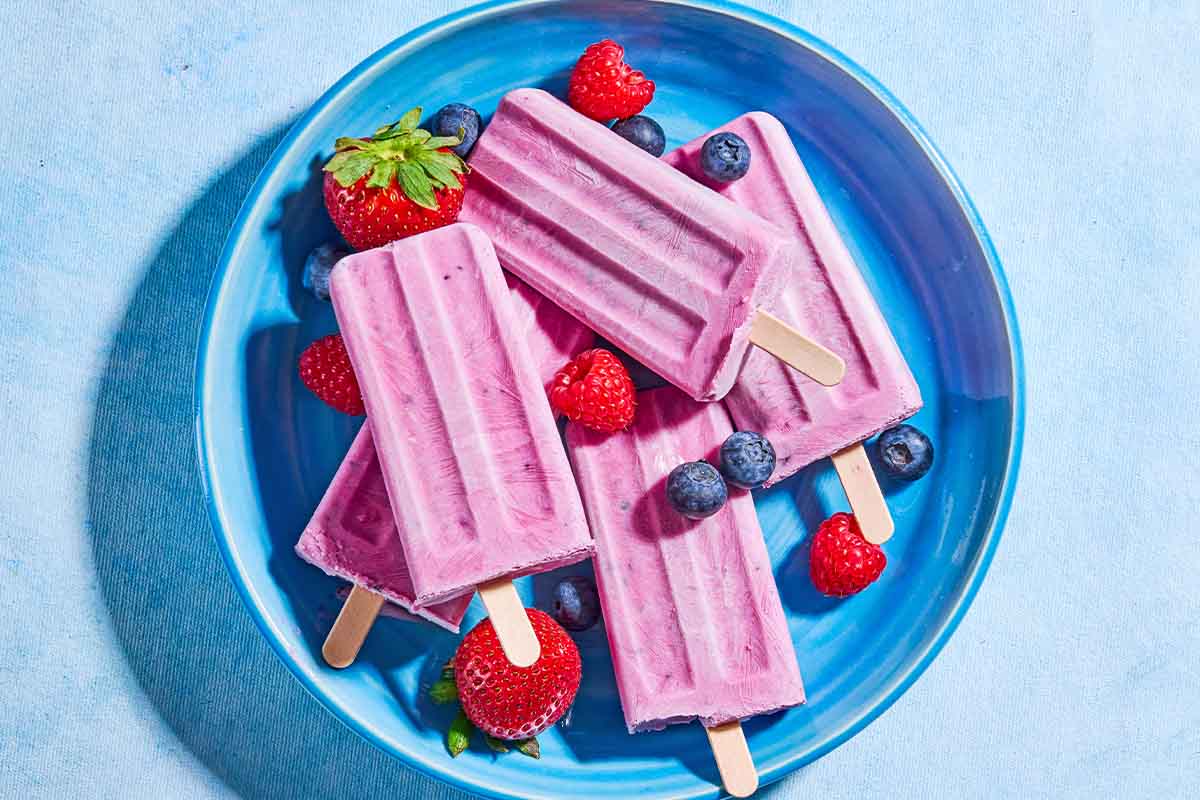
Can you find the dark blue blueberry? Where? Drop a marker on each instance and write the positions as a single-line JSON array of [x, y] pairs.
[[454, 117], [644, 132], [725, 157], [696, 489], [747, 460], [318, 266], [576, 605], [905, 453]]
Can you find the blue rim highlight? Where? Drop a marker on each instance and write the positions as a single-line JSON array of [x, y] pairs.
[[412, 40]]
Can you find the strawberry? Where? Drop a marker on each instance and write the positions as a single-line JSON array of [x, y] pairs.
[[402, 181], [841, 562], [512, 702], [325, 369], [595, 390], [604, 87]]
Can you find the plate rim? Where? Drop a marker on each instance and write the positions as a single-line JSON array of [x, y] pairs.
[[411, 40]]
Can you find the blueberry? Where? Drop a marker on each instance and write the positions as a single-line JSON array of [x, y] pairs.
[[747, 460], [450, 119], [905, 452], [725, 157], [644, 132], [318, 266], [696, 489], [576, 605]]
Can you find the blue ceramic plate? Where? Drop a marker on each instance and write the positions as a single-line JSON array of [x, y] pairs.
[[268, 448]]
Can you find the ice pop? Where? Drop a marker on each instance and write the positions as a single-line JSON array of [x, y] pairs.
[[475, 472], [827, 299], [352, 534], [693, 616], [666, 269]]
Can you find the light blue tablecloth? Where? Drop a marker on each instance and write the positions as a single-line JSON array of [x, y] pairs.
[[128, 667]]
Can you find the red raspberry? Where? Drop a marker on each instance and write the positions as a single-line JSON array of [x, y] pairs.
[[595, 390], [841, 562], [512, 702], [326, 371], [604, 87]]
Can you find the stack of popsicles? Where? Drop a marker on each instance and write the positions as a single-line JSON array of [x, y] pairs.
[[459, 481]]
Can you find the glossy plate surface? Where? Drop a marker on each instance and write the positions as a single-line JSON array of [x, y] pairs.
[[268, 448]]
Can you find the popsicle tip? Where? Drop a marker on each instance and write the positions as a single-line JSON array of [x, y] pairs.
[[335, 656]]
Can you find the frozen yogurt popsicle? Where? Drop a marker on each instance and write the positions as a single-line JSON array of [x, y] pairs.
[[826, 299], [694, 621], [666, 269], [479, 485], [352, 534]]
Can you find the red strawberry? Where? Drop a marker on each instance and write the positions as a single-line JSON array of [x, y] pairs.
[[325, 369], [595, 390], [400, 182], [512, 702], [841, 562], [604, 87]]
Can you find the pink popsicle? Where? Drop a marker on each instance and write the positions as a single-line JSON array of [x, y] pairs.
[[478, 483], [827, 299], [666, 269], [352, 534], [693, 616]]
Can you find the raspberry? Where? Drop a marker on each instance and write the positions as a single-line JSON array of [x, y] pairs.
[[511, 702], [595, 390], [326, 371], [841, 562], [604, 87]]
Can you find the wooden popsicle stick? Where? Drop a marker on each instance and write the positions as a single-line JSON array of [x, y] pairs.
[[517, 639], [351, 627], [733, 758], [864, 494], [795, 349]]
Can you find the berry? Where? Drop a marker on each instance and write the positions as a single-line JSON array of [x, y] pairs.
[[325, 369], [905, 452], [400, 182], [747, 460], [725, 157], [604, 87], [456, 119], [841, 562], [317, 267], [511, 702], [576, 605], [644, 132], [695, 489], [594, 389]]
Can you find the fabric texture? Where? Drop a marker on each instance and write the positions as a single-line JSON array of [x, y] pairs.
[[128, 666]]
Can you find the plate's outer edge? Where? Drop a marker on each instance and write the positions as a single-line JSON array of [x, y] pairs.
[[772, 772]]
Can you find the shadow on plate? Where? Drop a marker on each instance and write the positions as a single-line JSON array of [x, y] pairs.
[[187, 639]]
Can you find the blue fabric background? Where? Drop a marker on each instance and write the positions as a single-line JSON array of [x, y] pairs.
[[128, 667]]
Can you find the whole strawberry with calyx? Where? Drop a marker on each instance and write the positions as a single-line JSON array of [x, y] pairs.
[[510, 702], [604, 87], [841, 562], [595, 390], [400, 182]]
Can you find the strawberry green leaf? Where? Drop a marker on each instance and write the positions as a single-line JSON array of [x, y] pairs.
[[409, 121], [416, 184], [350, 143], [382, 175], [442, 176], [443, 692], [459, 735], [354, 168], [443, 141], [421, 135], [529, 747], [451, 161], [448, 669], [497, 745]]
